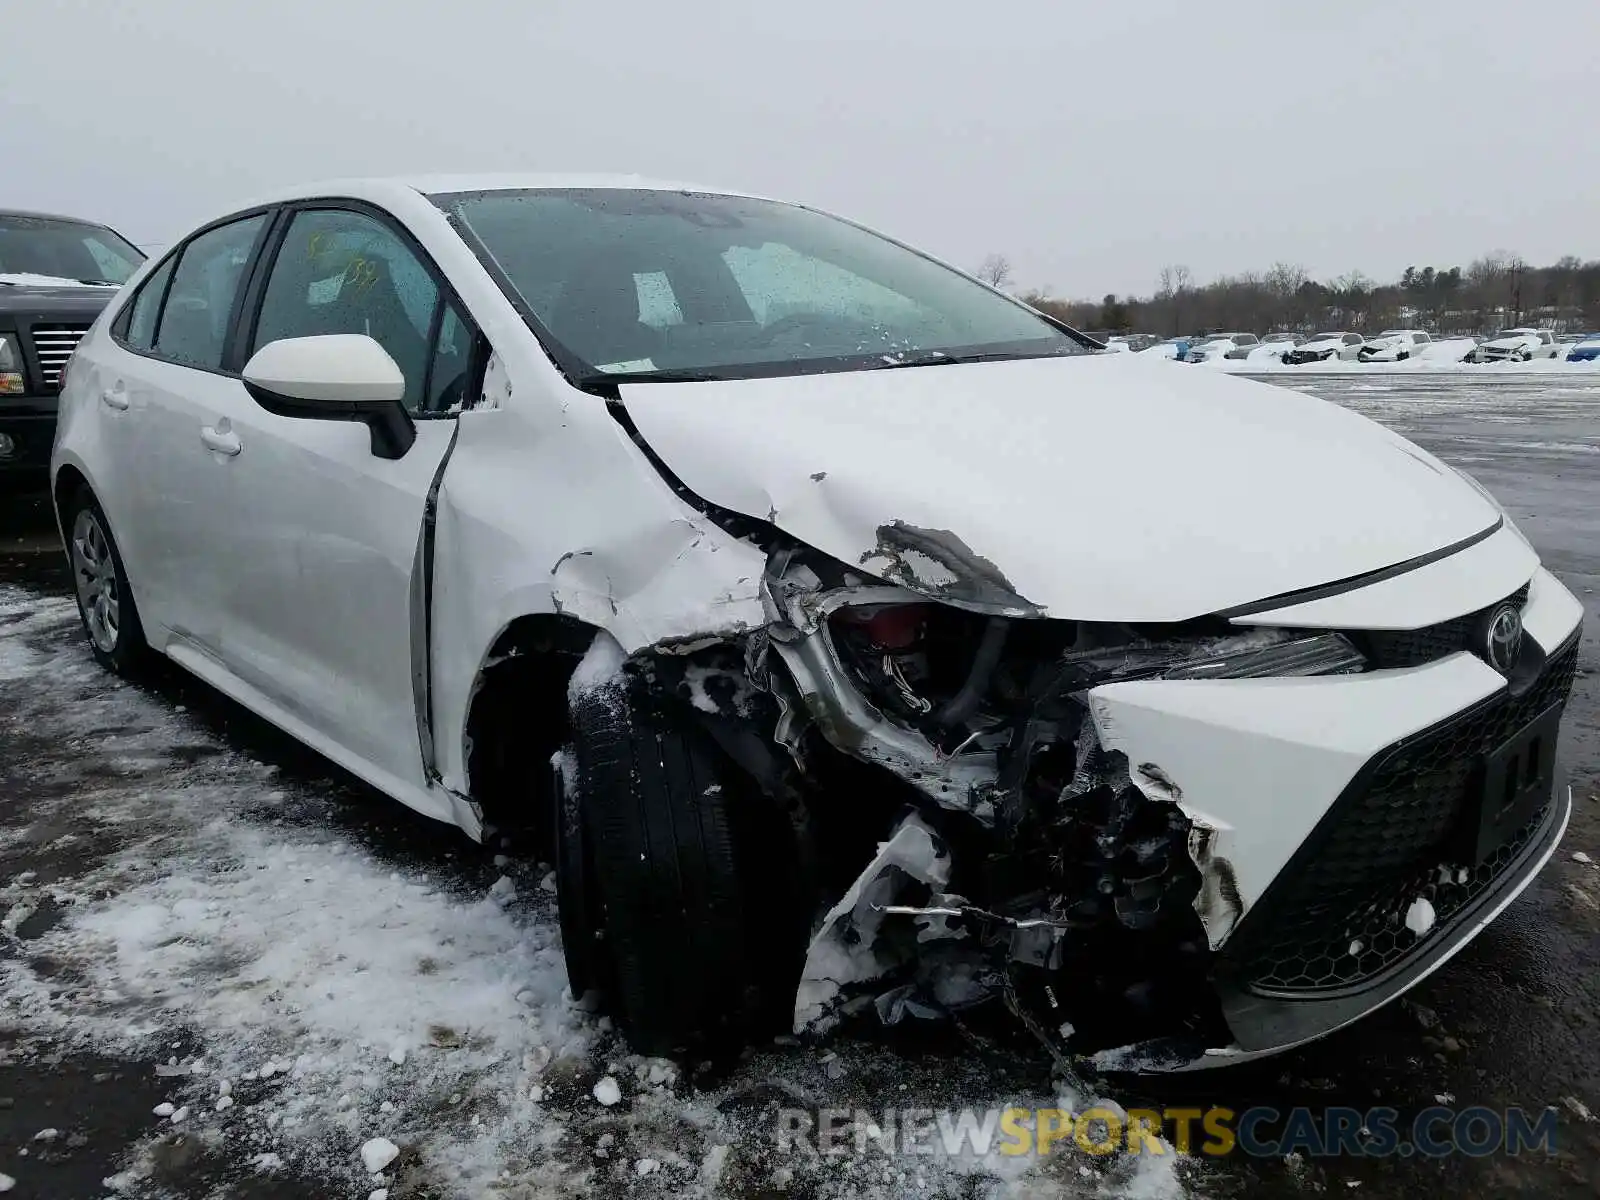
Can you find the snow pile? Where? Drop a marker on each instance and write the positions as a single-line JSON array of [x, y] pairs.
[[384, 1020]]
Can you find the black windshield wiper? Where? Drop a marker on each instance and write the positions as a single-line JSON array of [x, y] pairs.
[[938, 358], [611, 379]]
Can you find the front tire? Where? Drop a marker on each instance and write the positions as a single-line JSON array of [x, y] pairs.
[[100, 585], [700, 953]]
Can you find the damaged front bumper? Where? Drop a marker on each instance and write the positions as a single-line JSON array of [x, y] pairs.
[[1101, 855]]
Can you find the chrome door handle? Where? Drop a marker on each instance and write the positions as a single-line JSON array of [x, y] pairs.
[[115, 398], [222, 443]]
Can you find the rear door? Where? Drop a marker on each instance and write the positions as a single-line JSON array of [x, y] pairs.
[[323, 604], [162, 397]]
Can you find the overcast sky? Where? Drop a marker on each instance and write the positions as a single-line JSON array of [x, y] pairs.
[[1090, 149]]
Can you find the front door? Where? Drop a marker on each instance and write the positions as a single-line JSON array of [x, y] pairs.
[[322, 609]]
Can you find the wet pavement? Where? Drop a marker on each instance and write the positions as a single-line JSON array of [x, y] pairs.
[[1513, 1021]]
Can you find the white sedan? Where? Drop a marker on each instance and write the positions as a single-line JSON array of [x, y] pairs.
[[1219, 346], [785, 588], [1516, 345], [1394, 345], [1325, 347]]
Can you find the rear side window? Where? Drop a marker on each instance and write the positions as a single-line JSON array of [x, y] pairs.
[[141, 329], [194, 320]]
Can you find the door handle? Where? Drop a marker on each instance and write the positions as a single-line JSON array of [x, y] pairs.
[[222, 443], [116, 398]]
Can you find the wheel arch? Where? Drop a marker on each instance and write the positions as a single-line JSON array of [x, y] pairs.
[[69, 479], [516, 711]]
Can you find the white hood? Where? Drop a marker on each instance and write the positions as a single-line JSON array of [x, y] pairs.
[[1090, 487]]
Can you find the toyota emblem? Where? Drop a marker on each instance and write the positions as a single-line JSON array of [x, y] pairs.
[[1502, 641]]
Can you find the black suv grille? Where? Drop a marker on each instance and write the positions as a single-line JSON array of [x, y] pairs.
[[52, 346], [1414, 647], [1335, 917]]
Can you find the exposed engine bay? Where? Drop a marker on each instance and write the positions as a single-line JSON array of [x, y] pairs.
[[999, 852]]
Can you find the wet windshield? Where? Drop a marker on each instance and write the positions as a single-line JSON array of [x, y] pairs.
[[642, 284], [59, 249]]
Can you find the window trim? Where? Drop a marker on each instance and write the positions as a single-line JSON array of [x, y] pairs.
[[124, 317], [243, 334]]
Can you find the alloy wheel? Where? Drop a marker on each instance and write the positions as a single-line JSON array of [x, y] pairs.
[[94, 574]]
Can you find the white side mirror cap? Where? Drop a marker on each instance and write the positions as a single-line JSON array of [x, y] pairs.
[[330, 368]]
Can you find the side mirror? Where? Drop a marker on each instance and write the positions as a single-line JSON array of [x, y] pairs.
[[334, 377]]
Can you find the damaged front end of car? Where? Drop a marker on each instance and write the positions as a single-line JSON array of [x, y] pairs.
[[972, 838]]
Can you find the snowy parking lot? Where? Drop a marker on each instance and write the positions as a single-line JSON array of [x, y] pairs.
[[228, 969]]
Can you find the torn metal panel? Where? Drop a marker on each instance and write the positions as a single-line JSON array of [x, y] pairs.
[[800, 635], [848, 951], [560, 514]]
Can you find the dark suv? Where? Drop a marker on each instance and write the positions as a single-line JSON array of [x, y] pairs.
[[56, 274]]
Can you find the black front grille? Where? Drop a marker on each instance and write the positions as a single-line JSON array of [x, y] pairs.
[[1414, 647], [1335, 916], [52, 346]]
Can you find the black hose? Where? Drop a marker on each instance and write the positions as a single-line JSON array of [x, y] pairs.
[[961, 706]]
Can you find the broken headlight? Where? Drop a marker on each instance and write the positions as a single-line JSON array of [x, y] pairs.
[[1262, 654]]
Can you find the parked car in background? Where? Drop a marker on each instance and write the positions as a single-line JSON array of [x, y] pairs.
[[1515, 345], [1173, 347], [1220, 345], [56, 274], [1394, 345], [1325, 347], [1586, 349], [1273, 345], [435, 475], [1132, 342]]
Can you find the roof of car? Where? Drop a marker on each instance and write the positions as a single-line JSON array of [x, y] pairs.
[[46, 216], [439, 184]]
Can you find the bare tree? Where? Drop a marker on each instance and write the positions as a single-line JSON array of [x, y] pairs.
[[1285, 279], [995, 270], [1174, 283]]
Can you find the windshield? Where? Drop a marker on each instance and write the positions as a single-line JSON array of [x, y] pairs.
[[1514, 333], [64, 250], [1328, 337], [642, 284]]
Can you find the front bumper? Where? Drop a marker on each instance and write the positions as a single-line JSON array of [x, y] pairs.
[[1323, 807], [30, 424]]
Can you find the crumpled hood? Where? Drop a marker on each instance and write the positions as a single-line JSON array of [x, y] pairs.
[[1094, 487]]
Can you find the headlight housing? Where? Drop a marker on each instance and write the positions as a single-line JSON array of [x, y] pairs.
[[12, 382], [1253, 654]]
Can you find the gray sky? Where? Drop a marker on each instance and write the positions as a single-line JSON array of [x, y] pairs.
[[1090, 149]]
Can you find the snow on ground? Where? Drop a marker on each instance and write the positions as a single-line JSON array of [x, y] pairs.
[[313, 998]]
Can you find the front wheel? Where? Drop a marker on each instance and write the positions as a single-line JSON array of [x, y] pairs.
[[701, 936], [100, 584]]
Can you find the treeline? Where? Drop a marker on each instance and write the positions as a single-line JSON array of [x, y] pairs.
[[1494, 292]]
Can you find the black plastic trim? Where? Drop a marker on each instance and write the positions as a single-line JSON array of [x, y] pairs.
[[1267, 1023], [1367, 579]]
